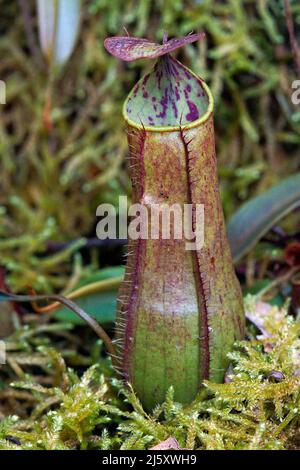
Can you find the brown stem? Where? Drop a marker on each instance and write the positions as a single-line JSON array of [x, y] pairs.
[[34, 49], [72, 306], [293, 39], [279, 280]]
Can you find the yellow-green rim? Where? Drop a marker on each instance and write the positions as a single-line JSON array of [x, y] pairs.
[[177, 128]]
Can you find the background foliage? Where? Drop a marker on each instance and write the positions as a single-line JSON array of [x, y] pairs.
[[63, 151]]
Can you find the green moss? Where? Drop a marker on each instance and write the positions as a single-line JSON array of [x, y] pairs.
[[78, 164], [258, 407]]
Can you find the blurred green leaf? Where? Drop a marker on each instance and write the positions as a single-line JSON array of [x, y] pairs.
[[257, 287], [255, 218], [101, 305]]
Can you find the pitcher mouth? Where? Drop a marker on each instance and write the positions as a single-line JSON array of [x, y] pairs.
[[169, 98]]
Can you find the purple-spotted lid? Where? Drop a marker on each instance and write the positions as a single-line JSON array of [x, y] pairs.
[[170, 95]]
